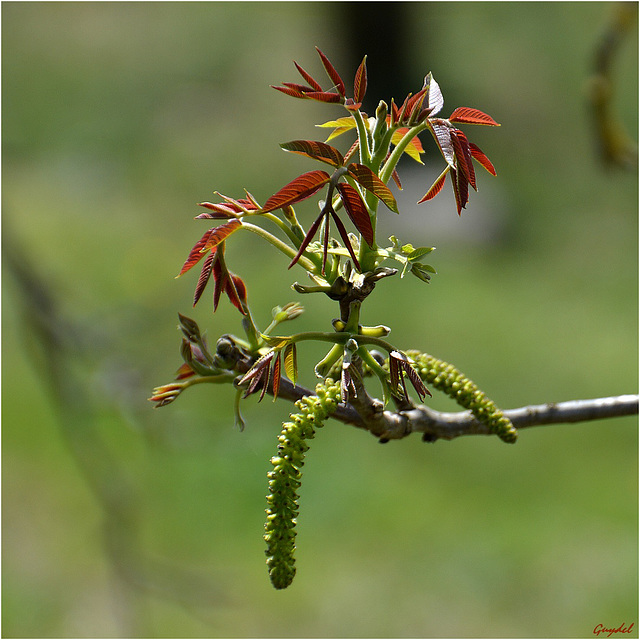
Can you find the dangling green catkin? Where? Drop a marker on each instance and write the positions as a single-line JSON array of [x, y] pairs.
[[446, 378], [285, 479]]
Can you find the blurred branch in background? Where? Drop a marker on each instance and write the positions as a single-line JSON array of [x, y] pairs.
[[57, 346], [615, 146]]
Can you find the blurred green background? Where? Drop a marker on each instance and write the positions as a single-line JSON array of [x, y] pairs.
[[123, 521]]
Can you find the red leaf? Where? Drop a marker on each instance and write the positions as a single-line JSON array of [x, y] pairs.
[[300, 88], [308, 238], [414, 105], [360, 82], [276, 375], [352, 150], [468, 115], [436, 187], [463, 155], [396, 179], [218, 234], [304, 186], [370, 181], [345, 238], [476, 152], [236, 290], [316, 150], [332, 73], [289, 92], [357, 211], [196, 254], [312, 82], [322, 96], [219, 278], [394, 112], [204, 277]]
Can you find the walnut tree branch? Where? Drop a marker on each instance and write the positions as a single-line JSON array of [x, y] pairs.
[[437, 425]]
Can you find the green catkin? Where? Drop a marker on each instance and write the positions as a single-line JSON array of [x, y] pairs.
[[285, 479], [446, 378]]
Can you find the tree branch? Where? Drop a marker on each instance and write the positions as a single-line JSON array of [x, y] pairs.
[[437, 425]]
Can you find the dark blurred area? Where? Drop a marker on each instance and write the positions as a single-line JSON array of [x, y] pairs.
[[124, 521]]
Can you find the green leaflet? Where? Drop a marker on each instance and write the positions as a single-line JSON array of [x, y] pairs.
[[446, 378], [285, 479]]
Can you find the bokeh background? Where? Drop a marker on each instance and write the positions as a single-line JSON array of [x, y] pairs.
[[124, 521]]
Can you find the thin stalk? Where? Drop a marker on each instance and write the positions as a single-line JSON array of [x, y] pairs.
[[288, 251], [365, 152]]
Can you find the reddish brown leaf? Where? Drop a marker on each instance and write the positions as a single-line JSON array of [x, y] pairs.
[[468, 115], [351, 105], [476, 152], [414, 105], [236, 291], [396, 179], [332, 73], [300, 88], [357, 211], [345, 239], [197, 253], [463, 156], [304, 186], [322, 96], [204, 277], [289, 92], [436, 187], [316, 150], [312, 82], [352, 150], [308, 238], [219, 280], [360, 81], [394, 112], [276, 375], [218, 234], [370, 181]]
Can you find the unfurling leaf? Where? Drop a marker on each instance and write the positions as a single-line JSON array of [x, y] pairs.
[[221, 233], [463, 156], [276, 376], [301, 188], [477, 154], [436, 187], [442, 135], [467, 115], [340, 126], [360, 82], [435, 101], [332, 73], [316, 150], [196, 254], [357, 211], [291, 362], [204, 277], [312, 82], [370, 181]]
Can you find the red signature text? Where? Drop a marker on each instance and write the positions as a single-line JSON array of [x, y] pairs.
[[600, 628]]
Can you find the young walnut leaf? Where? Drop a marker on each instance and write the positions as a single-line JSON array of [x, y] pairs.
[[467, 115], [291, 362], [332, 73], [476, 152], [303, 187], [360, 82], [221, 233], [370, 181], [357, 211], [316, 150]]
